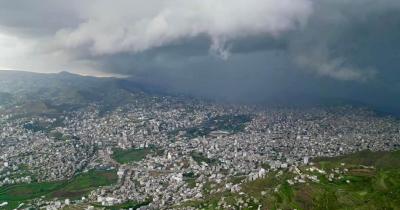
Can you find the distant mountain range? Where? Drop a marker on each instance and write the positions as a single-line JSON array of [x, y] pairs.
[[38, 92], [64, 91]]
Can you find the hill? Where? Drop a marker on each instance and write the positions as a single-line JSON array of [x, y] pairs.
[[26, 92], [365, 180]]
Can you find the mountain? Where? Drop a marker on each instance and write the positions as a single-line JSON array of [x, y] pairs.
[[65, 91]]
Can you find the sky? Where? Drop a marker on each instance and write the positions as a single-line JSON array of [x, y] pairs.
[[235, 50]]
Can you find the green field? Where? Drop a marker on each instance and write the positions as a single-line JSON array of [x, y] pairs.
[[126, 205], [200, 158], [360, 187], [74, 188], [132, 155]]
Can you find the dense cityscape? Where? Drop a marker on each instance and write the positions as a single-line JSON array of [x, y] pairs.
[[168, 150]]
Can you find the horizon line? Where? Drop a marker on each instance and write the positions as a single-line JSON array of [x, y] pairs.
[[96, 74]]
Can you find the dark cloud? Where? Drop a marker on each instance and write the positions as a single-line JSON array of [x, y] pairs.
[[250, 51]]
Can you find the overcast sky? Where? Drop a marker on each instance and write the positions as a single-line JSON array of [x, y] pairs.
[[236, 49]]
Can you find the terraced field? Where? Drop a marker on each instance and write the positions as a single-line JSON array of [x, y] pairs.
[[365, 180]]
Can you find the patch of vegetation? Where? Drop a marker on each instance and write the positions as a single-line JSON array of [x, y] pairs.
[[197, 131], [237, 179], [190, 179], [189, 175], [200, 158], [58, 136], [86, 182], [371, 181], [28, 191], [75, 188], [133, 155], [380, 160], [229, 123], [44, 126]]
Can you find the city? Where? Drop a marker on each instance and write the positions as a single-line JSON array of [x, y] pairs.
[[185, 147]]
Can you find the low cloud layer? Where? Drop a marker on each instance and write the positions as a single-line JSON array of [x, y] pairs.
[[238, 49]]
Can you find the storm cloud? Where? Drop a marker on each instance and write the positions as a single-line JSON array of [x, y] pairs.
[[245, 50], [136, 26]]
